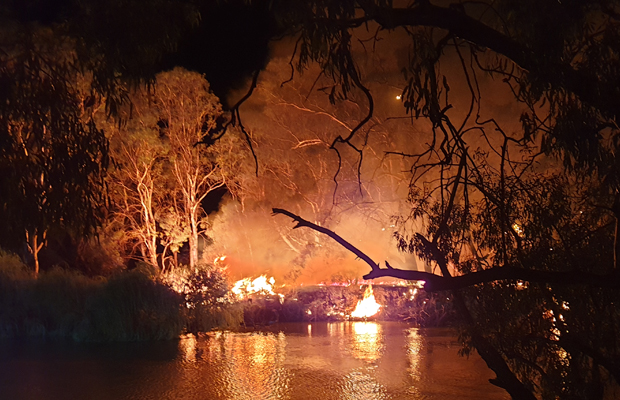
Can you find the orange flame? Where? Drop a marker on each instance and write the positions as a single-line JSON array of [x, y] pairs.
[[368, 306], [248, 286]]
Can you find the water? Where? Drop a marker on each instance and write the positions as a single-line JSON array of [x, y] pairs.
[[345, 360]]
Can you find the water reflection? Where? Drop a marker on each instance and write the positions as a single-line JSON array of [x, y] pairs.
[[346, 360], [414, 349], [367, 340], [245, 366], [360, 385]]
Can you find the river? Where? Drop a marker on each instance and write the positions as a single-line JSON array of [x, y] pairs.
[[343, 360]]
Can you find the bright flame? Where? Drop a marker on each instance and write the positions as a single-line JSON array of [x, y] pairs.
[[368, 306], [246, 286]]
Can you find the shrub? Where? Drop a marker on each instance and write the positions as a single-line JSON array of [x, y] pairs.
[[132, 306]]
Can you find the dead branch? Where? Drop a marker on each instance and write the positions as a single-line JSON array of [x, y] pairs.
[[302, 222], [437, 283]]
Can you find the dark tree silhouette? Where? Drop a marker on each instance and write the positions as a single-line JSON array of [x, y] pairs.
[[529, 254]]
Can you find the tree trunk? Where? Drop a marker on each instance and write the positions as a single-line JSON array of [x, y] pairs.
[[193, 243], [34, 246], [35, 253]]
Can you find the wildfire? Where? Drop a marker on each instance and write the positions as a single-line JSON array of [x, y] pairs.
[[368, 306], [248, 286]]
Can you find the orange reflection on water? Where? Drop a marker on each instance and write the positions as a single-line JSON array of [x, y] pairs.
[[360, 385], [254, 366], [367, 340], [414, 349], [250, 366], [187, 345]]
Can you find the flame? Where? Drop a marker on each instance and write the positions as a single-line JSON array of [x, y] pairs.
[[368, 306], [248, 286]]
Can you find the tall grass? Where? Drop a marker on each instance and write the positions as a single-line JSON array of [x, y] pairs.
[[128, 306]]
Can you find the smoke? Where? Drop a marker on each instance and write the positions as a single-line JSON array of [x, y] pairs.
[[292, 126]]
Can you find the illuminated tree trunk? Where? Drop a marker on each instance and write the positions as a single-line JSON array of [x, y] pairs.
[[137, 184], [145, 191], [34, 246], [195, 182]]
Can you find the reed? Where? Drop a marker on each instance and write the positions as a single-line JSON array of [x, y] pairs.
[[128, 306]]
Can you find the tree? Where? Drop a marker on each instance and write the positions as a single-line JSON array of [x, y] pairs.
[[136, 185], [504, 235], [56, 63], [188, 111], [161, 177], [52, 156]]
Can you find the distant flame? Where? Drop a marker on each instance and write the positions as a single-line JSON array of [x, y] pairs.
[[247, 286], [368, 306]]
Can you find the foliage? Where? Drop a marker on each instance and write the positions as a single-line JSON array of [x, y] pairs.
[[128, 306], [160, 177], [479, 200], [52, 156], [132, 306], [206, 298], [548, 333]]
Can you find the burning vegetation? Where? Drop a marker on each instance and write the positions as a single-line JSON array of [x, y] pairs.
[[263, 301]]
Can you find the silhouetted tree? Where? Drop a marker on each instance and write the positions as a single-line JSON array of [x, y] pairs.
[[52, 156], [530, 257]]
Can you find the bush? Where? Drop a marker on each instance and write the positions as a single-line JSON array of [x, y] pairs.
[[58, 301], [128, 306], [131, 306], [14, 283]]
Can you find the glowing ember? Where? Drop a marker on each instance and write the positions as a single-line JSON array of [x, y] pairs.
[[248, 286], [219, 259], [367, 307]]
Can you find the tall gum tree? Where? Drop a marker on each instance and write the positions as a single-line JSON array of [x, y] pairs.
[[161, 177], [188, 112]]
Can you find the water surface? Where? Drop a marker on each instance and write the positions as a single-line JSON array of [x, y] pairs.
[[345, 360]]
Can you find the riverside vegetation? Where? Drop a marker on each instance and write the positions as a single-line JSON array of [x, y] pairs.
[[127, 306], [140, 304]]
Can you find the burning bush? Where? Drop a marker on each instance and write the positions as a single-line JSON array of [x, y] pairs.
[[208, 301]]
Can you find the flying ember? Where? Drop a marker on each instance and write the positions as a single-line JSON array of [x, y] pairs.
[[368, 306]]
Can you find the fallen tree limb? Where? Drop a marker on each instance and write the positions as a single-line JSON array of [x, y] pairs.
[[438, 283], [302, 222]]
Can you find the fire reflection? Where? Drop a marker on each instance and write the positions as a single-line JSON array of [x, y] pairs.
[[414, 349], [187, 347], [249, 365], [367, 340], [360, 385]]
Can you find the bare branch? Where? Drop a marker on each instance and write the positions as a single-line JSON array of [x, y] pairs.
[[304, 223]]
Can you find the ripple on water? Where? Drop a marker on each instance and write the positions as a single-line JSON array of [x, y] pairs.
[[346, 360]]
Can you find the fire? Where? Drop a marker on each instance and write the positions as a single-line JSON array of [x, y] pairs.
[[248, 286], [368, 306]]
